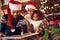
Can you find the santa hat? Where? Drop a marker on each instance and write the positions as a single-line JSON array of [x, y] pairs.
[[12, 5], [56, 22], [15, 5], [22, 0], [31, 5]]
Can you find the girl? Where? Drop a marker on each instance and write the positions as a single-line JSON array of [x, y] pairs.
[[36, 19]]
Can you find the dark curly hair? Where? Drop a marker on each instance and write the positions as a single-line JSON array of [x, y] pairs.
[[39, 13]]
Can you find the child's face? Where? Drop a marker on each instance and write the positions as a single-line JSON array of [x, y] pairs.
[[35, 17], [15, 13]]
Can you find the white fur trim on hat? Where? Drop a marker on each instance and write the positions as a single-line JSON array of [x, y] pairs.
[[22, 0], [30, 6], [15, 6], [12, 30]]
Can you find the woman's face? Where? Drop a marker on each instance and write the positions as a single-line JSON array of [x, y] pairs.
[[35, 17], [15, 13], [30, 11]]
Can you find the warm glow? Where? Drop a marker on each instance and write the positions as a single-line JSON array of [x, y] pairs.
[[55, 5], [42, 10], [47, 7], [52, 7], [44, 2], [41, 2]]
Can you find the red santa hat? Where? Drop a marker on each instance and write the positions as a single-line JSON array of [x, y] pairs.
[[12, 5], [31, 5], [56, 22], [15, 5], [22, 0]]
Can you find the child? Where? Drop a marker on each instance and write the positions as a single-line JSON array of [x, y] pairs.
[[36, 19]]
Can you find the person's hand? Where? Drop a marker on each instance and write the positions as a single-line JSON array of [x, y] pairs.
[[36, 29], [1, 35], [12, 30], [22, 13]]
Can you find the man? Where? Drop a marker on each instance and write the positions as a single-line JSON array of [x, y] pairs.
[[13, 23]]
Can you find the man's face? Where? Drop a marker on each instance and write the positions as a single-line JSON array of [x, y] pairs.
[[15, 13], [30, 11]]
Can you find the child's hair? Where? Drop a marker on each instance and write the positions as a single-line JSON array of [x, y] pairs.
[[39, 13]]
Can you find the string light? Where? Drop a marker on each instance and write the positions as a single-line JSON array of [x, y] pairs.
[[41, 2], [55, 5], [47, 7], [52, 7], [44, 2], [42, 10]]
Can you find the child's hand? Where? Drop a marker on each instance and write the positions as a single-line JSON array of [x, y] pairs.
[[36, 29]]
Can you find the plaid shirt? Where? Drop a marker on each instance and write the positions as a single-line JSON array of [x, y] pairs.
[[20, 22]]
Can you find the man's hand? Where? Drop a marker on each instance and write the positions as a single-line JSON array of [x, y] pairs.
[[1, 35]]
